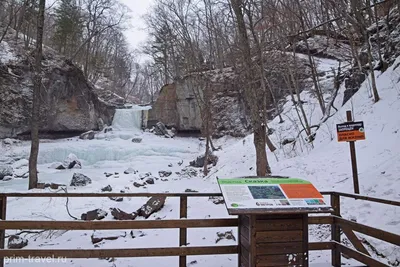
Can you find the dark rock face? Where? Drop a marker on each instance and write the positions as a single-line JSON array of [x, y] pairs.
[[70, 104], [17, 242], [79, 179], [108, 188]]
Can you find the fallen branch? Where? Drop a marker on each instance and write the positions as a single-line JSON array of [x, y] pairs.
[[66, 205]]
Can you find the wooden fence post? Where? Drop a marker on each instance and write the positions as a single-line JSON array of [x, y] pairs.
[[335, 230], [353, 157], [3, 207], [183, 231]]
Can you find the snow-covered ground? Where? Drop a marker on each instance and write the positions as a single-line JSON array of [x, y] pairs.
[[327, 165]]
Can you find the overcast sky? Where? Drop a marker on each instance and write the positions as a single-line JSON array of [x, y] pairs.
[[137, 34]]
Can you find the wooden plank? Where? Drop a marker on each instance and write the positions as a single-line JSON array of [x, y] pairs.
[[244, 220], [354, 240], [321, 245], [320, 220], [188, 194], [253, 248], [279, 236], [279, 211], [280, 260], [279, 225], [116, 225], [3, 212], [372, 199], [245, 253], [335, 231], [244, 262], [360, 256], [245, 242], [245, 231], [368, 230], [279, 248], [119, 253], [240, 241], [305, 240], [183, 231]]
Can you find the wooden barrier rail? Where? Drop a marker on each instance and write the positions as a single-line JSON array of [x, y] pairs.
[[337, 224]]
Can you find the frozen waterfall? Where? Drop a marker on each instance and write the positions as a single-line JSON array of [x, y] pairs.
[[129, 119]]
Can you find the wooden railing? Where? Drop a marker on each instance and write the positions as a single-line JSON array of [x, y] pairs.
[[337, 223]]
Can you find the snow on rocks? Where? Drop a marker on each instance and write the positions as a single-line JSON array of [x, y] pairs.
[[122, 215], [20, 164], [99, 236], [130, 170], [136, 140], [71, 162], [153, 205], [90, 135], [97, 214], [79, 179], [5, 170], [17, 242], [117, 199]]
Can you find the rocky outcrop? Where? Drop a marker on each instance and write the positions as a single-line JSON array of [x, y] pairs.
[[69, 105]]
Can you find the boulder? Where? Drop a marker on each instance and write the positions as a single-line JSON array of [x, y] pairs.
[[21, 173], [99, 236], [160, 129], [7, 178], [17, 242], [20, 163], [72, 162], [107, 174], [88, 135], [136, 140], [164, 173], [217, 200], [5, 170], [225, 235], [153, 205], [117, 199], [108, 188], [149, 180], [79, 179], [130, 170], [199, 161], [97, 214], [136, 184], [122, 215]]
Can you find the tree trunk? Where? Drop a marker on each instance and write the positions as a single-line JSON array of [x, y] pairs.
[[37, 82], [256, 105]]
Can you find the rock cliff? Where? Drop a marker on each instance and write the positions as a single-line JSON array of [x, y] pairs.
[[69, 103]]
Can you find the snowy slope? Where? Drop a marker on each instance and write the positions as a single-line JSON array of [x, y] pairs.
[[328, 166]]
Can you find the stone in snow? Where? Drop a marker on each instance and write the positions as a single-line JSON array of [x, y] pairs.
[[136, 184], [99, 236], [79, 179], [88, 135], [118, 199], [107, 174], [97, 214], [164, 173], [72, 162], [150, 180], [129, 171], [136, 140], [7, 178], [108, 188], [227, 235], [17, 242], [5, 170], [153, 205], [122, 215]]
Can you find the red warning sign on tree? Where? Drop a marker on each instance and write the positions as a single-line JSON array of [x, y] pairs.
[[350, 131]]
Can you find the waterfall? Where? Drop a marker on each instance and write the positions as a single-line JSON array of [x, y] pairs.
[[129, 119]]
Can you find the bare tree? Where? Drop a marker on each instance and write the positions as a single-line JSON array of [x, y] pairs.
[[37, 84]]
